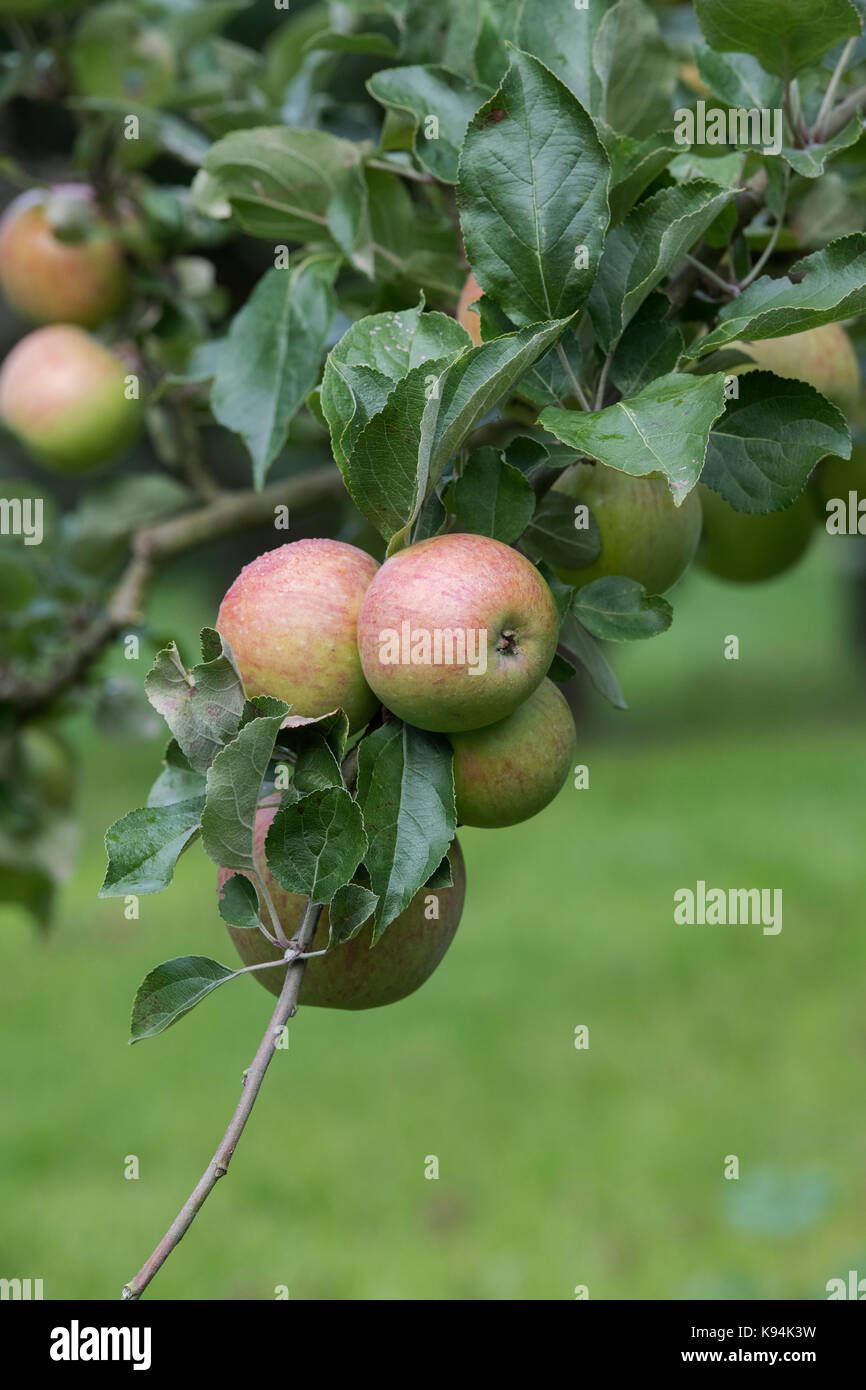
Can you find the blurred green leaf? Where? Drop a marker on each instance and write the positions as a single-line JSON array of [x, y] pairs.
[[271, 358]]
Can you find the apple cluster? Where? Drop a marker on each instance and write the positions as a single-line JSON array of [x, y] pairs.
[[647, 538], [313, 623], [62, 391]]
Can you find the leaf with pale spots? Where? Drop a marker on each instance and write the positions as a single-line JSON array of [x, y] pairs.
[[202, 707], [144, 846], [663, 429]]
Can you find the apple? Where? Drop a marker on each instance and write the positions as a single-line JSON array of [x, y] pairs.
[[354, 975], [509, 771], [47, 770], [834, 478], [290, 618], [456, 632], [116, 56], [466, 317], [824, 357], [644, 535], [63, 395], [750, 546], [49, 280]]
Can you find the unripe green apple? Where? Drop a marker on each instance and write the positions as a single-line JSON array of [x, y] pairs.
[[466, 317], [824, 357], [47, 769], [644, 535], [834, 478], [356, 975], [115, 55], [64, 395], [509, 771], [49, 280], [290, 618], [456, 632], [750, 546]]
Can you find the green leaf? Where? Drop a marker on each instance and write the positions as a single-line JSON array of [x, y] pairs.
[[239, 903], [177, 781], [663, 429], [377, 44], [562, 37], [650, 347], [97, 530], [533, 195], [441, 877], [491, 498], [270, 361], [831, 285], [586, 652], [316, 767], [784, 35], [426, 92], [635, 67], [644, 249], [315, 844], [171, 990], [144, 846], [291, 185], [530, 455], [561, 670], [738, 79], [554, 536], [234, 782], [351, 906], [202, 707], [402, 452], [371, 357], [616, 609], [811, 161], [633, 167], [766, 445], [406, 791]]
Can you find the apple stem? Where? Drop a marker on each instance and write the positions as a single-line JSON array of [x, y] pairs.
[[252, 1080]]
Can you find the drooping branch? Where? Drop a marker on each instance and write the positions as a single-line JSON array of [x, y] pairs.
[[152, 547], [253, 1078]]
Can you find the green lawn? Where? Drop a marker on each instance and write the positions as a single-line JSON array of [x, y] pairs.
[[558, 1167]]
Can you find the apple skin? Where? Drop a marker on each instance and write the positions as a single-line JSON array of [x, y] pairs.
[[824, 357], [290, 618], [834, 478], [509, 771], [747, 547], [462, 583], [47, 769], [466, 317], [62, 394], [354, 976], [47, 280], [644, 536]]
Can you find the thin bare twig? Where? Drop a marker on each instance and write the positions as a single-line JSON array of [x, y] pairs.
[[224, 515], [253, 1078]]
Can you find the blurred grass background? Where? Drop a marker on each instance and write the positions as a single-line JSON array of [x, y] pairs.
[[558, 1167]]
